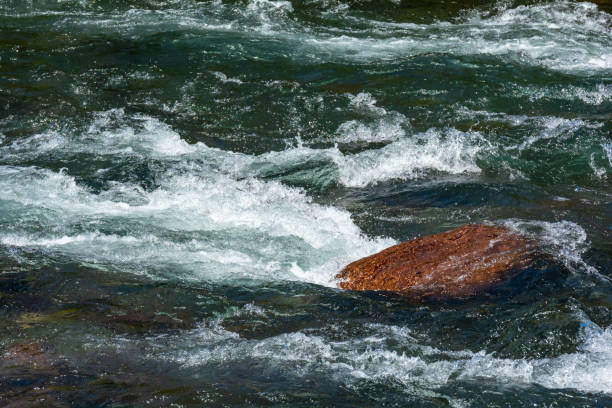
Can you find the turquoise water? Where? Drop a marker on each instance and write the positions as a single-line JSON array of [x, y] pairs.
[[181, 180]]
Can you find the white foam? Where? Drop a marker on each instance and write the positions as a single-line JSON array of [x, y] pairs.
[[449, 151], [600, 172], [268, 230], [364, 101], [538, 133], [565, 240], [561, 35], [545, 34], [32, 146], [384, 126], [589, 369], [556, 128], [224, 78], [381, 131], [257, 5], [602, 93], [111, 132], [250, 214], [408, 157], [417, 367], [200, 189], [607, 147], [596, 95], [436, 150]]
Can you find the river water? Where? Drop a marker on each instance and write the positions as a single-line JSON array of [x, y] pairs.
[[181, 180]]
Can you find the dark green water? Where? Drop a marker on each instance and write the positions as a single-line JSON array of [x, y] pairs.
[[180, 181]]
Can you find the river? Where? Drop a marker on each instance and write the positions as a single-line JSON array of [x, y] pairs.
[[181, 180]]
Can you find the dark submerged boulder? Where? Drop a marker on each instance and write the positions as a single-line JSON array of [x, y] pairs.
[[454, 264]]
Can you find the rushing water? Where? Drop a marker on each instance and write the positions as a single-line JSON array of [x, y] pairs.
[[181, 180]]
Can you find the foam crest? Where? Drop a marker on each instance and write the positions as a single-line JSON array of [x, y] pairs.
[[225, 79], [587, 370], [111, 132], [149, 255], [142, 134], [535, 35], [565, 240], [607, 147], [560, 35], [364, 101], [384, 126], [595, 95], [555, 128], [448, 151], [380, 131], [602, 93], [416, 366], [546, 126], [584, 15], [253, 229], [115, 133], [200, 189], [600, 172]]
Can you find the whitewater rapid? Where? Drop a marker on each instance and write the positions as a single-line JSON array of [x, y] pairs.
[[244, 152], [209, 214]]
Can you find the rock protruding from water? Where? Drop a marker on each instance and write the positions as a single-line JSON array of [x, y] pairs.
[[454, 264]]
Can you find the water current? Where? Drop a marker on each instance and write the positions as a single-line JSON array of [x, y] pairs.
[[181, 180]]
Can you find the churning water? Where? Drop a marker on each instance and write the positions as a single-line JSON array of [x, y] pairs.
[[181, 180]]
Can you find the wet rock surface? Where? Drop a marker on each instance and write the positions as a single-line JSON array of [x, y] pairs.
[[454, 264]]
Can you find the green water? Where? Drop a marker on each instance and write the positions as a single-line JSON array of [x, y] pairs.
[[181, 180]]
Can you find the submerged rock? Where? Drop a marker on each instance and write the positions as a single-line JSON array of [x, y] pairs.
[[453, 264], [30, 354]]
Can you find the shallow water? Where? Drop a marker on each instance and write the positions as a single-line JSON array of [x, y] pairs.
[[181, 180]]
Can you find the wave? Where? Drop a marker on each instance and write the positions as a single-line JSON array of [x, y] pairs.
[[115, 133], [388, 353], [207, 224], [214, 214], [405, 154], [561, 35], [565, 240]]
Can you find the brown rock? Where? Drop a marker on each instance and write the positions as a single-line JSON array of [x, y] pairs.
[[30, 354], [454, 264]]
